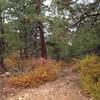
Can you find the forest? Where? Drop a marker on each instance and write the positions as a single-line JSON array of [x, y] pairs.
[[47, 44]]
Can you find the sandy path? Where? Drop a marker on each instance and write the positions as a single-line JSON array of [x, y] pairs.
[[65, 88]]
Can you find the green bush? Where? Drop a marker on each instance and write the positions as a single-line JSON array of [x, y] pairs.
[[90, 75]]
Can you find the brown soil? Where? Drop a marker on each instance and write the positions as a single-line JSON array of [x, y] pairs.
[[67, 87]]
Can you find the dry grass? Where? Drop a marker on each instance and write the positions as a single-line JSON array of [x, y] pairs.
[[45, 70], [89, 68]]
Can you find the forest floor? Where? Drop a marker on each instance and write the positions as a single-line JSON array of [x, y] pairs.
[[67, 87]]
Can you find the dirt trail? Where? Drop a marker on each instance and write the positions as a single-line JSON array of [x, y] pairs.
[[65, 88]]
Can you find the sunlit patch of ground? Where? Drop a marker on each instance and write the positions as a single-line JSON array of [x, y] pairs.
[[64, 88]]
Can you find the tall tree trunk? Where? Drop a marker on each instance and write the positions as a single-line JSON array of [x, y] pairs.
[[40, 27], [25, 38], [2, 45], [43, 46]]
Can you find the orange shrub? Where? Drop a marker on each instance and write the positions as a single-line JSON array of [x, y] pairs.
[[13, 62], [45, 70]]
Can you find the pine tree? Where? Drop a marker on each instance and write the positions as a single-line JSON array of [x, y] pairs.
[[40, 27], [2, 42]]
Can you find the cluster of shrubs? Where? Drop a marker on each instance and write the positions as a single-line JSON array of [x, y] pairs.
[[89, 68], [35, 71], [14, 63]]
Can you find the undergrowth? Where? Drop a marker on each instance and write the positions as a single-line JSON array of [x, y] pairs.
[[35, 71], [89, 68]]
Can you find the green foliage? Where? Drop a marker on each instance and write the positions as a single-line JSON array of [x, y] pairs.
[[73, 27], [13, 42], [58, 40], [85, 39], [57, 46], [2, 5], [57, 25], [90, 75]]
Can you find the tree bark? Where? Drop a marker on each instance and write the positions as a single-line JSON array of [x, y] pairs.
[[43, 46], [40, 27], [2, 46], [25, 38]]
